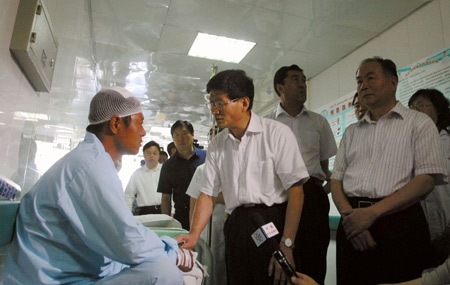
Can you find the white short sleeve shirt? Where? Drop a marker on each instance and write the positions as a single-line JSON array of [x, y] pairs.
[[258, 169]]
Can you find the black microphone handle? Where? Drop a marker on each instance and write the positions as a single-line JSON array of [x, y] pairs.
[[284, 263], [279, 256]]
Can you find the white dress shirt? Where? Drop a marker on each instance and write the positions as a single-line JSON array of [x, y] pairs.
[[376, 158], [258, 169], [314, 136], [143, 184]]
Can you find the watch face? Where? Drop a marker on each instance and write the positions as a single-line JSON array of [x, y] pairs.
[[288, 242]]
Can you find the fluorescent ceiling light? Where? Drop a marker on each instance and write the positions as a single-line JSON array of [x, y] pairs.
[[220, 48], [30, 116]]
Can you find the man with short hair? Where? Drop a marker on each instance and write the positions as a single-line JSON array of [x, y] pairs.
[[317, 144], [171, 149], [386, 163], [163, 156], [144, 183], [255, 162], [177, 172], [74, 226]]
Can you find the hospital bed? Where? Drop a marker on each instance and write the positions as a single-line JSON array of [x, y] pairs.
[[160, 224]]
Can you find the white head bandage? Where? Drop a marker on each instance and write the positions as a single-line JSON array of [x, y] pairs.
[[112, 101]]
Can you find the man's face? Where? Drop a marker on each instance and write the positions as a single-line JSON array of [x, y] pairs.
[[226, 112], [374, 87], [293, 91], [129, 138], [360, 110], [151, 156], [183, 139], [162, 158]]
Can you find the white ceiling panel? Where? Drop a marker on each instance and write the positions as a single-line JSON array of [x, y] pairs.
[[143, 45], [272, 28], [219, 17]]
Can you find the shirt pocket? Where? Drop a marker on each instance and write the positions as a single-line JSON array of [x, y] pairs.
[[398, 153], [312, 140], [261, 176]]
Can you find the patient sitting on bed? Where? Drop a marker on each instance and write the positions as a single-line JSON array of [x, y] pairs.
[[74, 226]]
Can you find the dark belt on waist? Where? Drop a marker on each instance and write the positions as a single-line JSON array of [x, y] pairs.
[[362, 202], [155, 207], [261, 206], [315, 180]]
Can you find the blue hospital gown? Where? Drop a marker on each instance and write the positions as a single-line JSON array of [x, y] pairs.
[[74, 226]]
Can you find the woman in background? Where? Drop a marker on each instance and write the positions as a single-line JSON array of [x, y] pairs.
[[437, 204]]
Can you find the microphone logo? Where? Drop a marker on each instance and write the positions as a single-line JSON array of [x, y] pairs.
[[263, 233], [258, 237], [270, 230]]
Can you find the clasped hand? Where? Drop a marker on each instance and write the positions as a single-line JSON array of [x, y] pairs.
[[355, 221]]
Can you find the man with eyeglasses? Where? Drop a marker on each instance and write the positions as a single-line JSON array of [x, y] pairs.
[[257, 165], [317, 144], [177, 172], [360, 109]]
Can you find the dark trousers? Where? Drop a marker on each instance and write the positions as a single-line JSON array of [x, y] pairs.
[[313, 234], [401, 253], [182, 215], [247, 263], [145, 210]]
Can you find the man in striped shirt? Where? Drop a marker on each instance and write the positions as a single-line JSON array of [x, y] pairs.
[[386, 163]]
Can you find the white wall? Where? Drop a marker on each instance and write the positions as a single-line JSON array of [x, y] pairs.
[[16, 93], [424, 32]]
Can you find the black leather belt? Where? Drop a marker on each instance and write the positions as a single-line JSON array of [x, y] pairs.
[[155, 207], [363, 202], [316, 180]]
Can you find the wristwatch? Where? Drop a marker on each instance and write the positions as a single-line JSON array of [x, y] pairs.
[[287, 242]]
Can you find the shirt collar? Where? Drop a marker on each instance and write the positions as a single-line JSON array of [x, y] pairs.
[[254, 126], [91, 138], [399, 111], [280, 110], [158, 167], [195, 154], [196, 151]]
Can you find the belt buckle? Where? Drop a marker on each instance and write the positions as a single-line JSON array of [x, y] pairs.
[[364, 204], [249, 205]]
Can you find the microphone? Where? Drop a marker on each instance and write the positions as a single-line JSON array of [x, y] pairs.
[[266, 232]]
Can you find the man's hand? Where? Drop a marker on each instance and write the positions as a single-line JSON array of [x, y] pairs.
[[303, 279], [188, 241], [358, 220], [364, 241], [185, 260], [280, 277]]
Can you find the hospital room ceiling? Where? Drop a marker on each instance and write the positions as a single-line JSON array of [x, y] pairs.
[[143, 45]]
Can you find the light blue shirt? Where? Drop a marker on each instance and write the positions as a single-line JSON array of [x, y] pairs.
[[74, 226]]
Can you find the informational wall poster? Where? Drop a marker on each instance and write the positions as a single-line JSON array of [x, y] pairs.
[[340, 114], [430, 72]]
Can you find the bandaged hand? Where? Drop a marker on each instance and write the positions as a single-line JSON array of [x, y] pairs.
[[185, 260]]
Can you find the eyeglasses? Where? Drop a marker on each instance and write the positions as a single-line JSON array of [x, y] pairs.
[[419, 107], [357, 106], [220, 105]]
